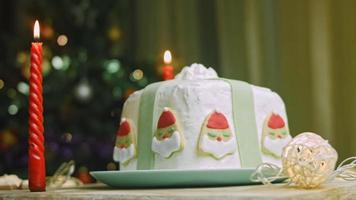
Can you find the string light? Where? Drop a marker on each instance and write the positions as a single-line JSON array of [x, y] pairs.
[[21, 57], [62, 40], [111, 166], [114, 33], [82, 56], [57, 62], [112, 66], [46, 66], [84, 91], [66, 62], [11, 93], [2, 84], [117, 92], [13, 109], [67, 137], [137, 74], [47, 31], [23, 88]]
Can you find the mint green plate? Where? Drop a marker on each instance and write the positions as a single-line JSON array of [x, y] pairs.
[[175, 178]]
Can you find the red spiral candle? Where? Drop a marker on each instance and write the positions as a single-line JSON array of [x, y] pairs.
[[36, 160]]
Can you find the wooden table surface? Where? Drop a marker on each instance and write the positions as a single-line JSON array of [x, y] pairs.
[[337, 189]]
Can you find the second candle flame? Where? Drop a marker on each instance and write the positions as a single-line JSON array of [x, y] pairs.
[[36, 30], [167, 57]]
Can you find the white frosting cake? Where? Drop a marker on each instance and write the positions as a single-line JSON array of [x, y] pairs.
[[199, 121]]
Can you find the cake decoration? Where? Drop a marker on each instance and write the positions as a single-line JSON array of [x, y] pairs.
[[125, 147], [196, 72], [196, 90], [244, 119], [167, 138], [275, 136], [308, 162], [146, 105], [216, 138]]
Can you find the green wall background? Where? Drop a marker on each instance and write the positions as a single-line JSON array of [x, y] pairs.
[[305, 50]]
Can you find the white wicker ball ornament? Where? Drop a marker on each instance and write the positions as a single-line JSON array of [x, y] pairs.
[[308, 160]]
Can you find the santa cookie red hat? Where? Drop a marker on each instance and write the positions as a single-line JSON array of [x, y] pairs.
[[217, 120], [124, 128], [166, 119], [275, 121]]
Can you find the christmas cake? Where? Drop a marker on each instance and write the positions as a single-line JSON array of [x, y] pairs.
[[201, 121]]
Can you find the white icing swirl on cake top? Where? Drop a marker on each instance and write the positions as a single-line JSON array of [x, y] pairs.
[[196, 72]]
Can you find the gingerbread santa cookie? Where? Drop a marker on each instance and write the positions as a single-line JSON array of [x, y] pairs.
[[275, 136], [216, 138], [167, 139], [125, 147]]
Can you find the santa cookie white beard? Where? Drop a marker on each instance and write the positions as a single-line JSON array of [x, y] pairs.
[[216, 148], [124, 154], [275, 146], [166, 147]]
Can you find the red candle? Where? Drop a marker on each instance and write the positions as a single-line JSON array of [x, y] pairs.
[[167, 70], [36, 160]]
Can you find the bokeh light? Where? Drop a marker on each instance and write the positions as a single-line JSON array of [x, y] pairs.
[[47, 31], [2, 84], [23, 88], [117, 92], [112, 66], [67, 137], [11, 93], [8, 139], [46, 66], [62, 40], [57, 62], [21, 57], [137, 74], [66, 62], [111, 166], [84, 91], [114, 33], [82, 55], [13, 109]]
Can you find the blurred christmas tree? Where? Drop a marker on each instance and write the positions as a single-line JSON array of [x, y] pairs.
[[88, 73]]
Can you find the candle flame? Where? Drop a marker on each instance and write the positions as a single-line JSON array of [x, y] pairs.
[[36, 30], [167, 57]]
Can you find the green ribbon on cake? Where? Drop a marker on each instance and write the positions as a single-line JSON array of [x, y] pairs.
[[145, 126], [245, 123], [243, 118]]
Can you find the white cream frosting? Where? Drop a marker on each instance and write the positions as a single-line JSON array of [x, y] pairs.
[[192, 102], [196, 72]]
